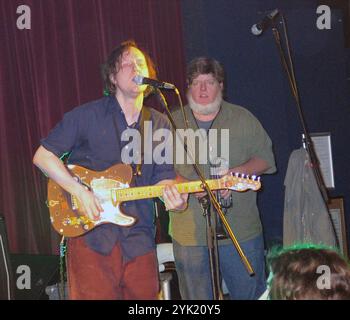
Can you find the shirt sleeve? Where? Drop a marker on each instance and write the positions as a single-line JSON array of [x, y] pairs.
[[260, 144], [64, 136]]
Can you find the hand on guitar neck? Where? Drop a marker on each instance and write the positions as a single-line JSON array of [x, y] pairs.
[[174, 200]]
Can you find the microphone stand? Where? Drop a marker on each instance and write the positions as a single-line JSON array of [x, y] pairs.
[[211, 237], [212, 249], [307, 142]]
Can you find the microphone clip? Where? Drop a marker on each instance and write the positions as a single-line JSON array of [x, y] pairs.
[[258, 28]]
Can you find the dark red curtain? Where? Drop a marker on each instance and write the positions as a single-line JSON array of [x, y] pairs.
[[54, 66]]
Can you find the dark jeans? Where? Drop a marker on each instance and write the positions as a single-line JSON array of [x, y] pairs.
[[192, 267]]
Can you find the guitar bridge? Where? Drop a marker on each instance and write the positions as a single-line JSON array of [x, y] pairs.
[[77, 222]]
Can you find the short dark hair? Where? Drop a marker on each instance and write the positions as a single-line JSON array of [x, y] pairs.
[[295, 273], [111, 65], [205, 65]]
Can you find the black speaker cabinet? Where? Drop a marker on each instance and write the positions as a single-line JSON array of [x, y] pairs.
[[39, 270], [43, 270]]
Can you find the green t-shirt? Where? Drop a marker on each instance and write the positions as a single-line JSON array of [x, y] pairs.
[[247, 139]]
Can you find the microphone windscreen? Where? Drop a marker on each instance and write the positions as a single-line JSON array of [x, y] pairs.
[[138, 79], [256, 30]]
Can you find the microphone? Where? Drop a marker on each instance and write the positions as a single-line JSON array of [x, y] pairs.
[[258, 28], [138, 79]]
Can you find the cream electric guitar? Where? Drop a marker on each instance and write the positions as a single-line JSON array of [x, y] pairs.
[[112, 188]]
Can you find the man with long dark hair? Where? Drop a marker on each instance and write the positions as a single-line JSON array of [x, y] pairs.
[[111, 262]]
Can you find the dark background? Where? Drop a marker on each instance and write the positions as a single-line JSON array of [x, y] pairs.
[[54, 66]]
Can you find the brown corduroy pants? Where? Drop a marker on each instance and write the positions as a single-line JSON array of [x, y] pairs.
[[92, 276]]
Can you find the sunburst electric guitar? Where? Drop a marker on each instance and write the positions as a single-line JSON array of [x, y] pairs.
[[112, 188]]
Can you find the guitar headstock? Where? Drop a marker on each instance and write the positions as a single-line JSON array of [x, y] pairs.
[[240, 182]]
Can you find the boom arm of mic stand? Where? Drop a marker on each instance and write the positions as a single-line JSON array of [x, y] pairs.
[[294, 89], [205, 185]]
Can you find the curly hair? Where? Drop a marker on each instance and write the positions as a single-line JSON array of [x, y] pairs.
[[295, 274], [111, 66]]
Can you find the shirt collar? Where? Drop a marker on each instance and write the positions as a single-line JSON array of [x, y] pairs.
[[114, 107]]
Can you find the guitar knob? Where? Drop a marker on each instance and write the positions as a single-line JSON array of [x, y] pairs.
[[66, 222]]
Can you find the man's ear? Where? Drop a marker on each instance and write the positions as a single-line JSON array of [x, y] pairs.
[[112, 78]]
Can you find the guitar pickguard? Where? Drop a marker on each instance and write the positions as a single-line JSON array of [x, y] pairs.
[[66, 214]]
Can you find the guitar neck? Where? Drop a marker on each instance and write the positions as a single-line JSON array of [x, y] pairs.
[[139, 193]]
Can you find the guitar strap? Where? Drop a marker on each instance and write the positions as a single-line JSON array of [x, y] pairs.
[[145, 116]]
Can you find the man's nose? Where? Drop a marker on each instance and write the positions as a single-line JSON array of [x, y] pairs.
[[203, 86]]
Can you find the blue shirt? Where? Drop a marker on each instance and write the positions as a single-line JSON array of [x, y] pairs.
[[91, 134]]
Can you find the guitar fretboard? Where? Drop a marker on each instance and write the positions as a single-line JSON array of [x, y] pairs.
[[138, 193]]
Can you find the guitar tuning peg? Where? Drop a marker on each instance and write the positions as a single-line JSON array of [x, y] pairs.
[[259, 179], [236, 174], [253, 177]]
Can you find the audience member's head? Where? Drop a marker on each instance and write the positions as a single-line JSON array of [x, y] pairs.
[[308, 272]]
